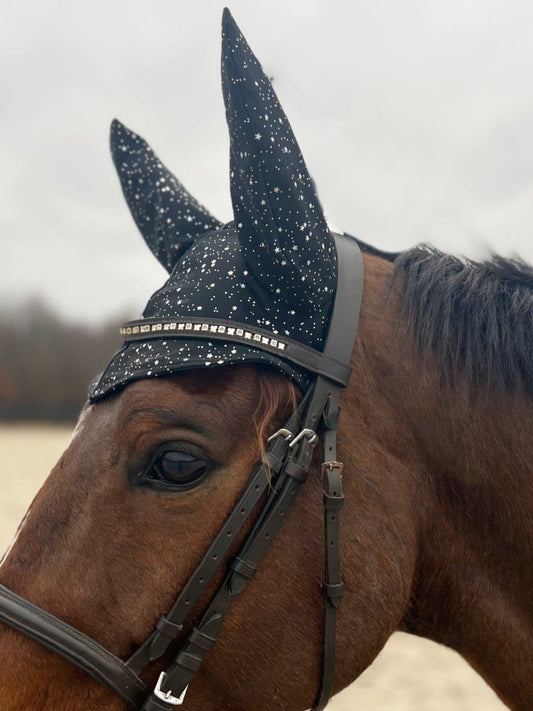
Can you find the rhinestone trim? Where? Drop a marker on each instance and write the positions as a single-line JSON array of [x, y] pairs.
[[257, 337]]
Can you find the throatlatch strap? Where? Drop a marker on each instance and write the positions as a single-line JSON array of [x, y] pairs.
[[333, 587], [350, 285]]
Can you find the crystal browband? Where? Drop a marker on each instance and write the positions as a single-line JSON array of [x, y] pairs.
[[211, 328], [225, 330]]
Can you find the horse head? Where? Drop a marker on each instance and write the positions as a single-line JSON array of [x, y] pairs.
[[196, 440]]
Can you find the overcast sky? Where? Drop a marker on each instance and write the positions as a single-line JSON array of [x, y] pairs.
[[415, 119]]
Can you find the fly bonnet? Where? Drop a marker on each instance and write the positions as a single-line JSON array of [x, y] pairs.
[[259, 289]]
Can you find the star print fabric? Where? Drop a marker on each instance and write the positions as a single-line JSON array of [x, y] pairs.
[[166, 214], [273, 268], [281, 225]]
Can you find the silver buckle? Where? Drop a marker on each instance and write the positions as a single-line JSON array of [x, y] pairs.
[[287, 434], [167, 695], [310, 434]]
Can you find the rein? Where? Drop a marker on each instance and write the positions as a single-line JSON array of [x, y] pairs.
[[288, 457]]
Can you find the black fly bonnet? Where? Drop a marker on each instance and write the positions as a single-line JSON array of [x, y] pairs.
[[274, 287], [272, 273]]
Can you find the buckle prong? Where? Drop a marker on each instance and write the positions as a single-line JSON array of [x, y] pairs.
[[286, 434], [310, 434]]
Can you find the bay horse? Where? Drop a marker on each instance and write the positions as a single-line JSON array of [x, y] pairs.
[[435, 436]]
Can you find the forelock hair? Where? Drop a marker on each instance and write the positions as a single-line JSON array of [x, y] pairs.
[[278, 400]]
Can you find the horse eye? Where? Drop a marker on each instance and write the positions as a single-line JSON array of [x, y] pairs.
[[179, 470]]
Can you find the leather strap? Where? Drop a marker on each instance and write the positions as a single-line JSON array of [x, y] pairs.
[[158, 642], [211, 329], [333, 587], [73, 645], [351, 271], [350, 279]]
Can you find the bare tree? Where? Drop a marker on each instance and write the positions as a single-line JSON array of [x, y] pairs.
[[47, 364]]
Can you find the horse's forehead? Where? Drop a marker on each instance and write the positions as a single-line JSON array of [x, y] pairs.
[[225, 389]]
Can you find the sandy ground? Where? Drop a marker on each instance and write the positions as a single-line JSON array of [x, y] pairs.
[[409, 675]]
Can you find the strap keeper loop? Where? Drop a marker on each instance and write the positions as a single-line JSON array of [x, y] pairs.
[[331, 413], [168, 628], [296, 471], [202, 640], [242, 567], [333, 503], [189, 661], [333, 592]]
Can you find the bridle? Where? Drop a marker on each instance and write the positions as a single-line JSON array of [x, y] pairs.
[[278, 478]]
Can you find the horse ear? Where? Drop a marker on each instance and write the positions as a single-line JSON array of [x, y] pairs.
[[168, 217], [282, 229]]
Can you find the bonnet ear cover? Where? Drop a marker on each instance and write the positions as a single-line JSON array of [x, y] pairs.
[[265, 280], [168, 216], [281, 226]]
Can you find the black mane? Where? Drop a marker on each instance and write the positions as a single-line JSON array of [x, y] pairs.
[[476, 317]]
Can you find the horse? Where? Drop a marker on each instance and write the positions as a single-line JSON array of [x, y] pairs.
[[435, 437]]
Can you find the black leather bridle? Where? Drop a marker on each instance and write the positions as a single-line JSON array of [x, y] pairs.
[[280, 477]]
